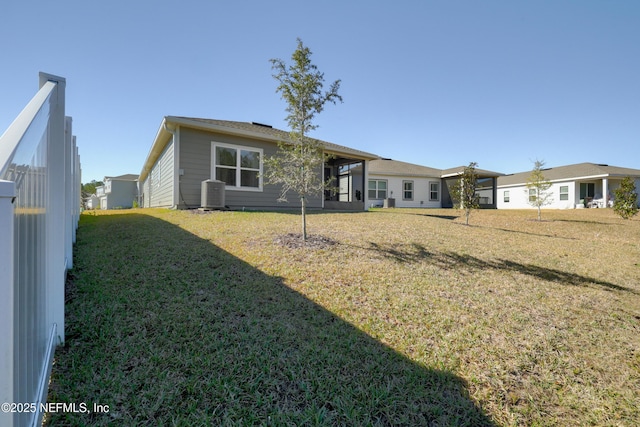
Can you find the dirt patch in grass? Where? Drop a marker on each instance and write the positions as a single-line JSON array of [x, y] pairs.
[[295, 241]]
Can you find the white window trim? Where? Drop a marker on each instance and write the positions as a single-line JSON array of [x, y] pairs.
[[377, 190], [437, 199], [506, 196], [405, 190], [237, 187], [565, 193]]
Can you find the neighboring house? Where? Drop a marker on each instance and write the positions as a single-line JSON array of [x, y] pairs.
[[92, 202], [408, 185], [486, 186], [187, 151], [414, 186], [118, 192], [572, 186]]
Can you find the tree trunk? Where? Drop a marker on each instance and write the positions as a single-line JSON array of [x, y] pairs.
[[304, 218], [539, 214]]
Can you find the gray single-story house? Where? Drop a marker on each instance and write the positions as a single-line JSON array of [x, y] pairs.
[[572, 186], [187, 151]]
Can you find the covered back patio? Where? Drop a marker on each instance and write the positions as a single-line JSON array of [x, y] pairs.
[[598, 192], [348, 172], [348, 177]]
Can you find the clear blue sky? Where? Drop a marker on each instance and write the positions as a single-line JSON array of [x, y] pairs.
[[438, 83]]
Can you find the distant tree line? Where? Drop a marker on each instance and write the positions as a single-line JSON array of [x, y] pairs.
[[90, 188]]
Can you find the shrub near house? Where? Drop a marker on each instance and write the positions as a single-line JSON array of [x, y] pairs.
[[626, 199]]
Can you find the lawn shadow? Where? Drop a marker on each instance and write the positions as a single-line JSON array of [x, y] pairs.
[[447, 217], [410, 212], [168, 329], [403, 252], [415, 252], [558, 276], [528, 233], [544, 273], [582, 221]]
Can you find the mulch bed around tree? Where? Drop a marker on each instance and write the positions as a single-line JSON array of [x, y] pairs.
[[295, 241]]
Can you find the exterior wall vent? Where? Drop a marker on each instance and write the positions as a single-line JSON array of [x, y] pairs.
[[212, 194]]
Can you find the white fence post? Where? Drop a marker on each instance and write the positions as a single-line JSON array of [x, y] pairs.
[[68, 189], [7, 392], [39, 206], [77, 190], [56, 195]]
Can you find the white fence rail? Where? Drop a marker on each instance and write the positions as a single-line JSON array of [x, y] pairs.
[[39, 211]]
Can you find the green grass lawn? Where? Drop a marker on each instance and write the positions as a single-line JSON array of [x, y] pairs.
[[402, 317]]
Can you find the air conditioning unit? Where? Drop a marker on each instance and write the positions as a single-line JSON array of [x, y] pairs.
[[212, 194]]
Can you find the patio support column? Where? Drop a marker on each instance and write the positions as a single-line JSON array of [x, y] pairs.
[[365, 184], [605, 192]]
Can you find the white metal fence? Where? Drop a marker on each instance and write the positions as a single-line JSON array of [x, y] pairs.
[[39, 211]]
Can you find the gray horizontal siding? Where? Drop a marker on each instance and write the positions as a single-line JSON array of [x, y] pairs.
[[195, 162], [160, 181], [145, 193], [122, 195]]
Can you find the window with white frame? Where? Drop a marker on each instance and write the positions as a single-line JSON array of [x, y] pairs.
[[506, 196], [434, 191], [407, 190], [564, 192], [533, 195], [237, 166], [377, 188]]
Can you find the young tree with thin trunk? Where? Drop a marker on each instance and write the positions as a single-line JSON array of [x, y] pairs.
[[298, 164], [537, 186], [625, 203], [463, 191]]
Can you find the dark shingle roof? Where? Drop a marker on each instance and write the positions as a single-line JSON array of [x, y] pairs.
[[460, 169], [395, 167], [269, 132], [580, 170]]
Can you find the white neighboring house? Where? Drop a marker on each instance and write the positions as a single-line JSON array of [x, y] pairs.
[[92, 202], [392, 183], [408, 185], [572, 186], [118, 192]]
